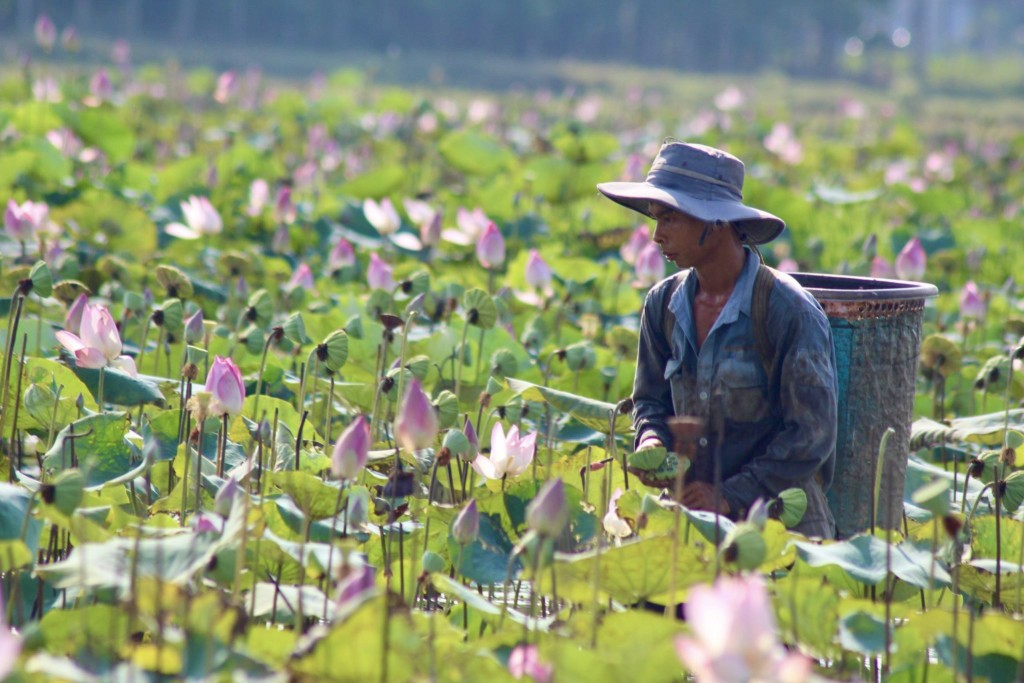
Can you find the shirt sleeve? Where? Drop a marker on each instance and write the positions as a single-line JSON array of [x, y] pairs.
[[808, 399], [652, 394]]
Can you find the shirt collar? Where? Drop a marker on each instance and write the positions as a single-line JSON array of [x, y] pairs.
[[739, 301]]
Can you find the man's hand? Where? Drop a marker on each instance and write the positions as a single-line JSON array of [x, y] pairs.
[[700, 495]]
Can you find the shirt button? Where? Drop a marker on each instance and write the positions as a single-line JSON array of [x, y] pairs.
[[703, 395], [703, 441]]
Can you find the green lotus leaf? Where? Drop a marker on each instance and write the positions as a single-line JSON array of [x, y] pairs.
[[474, 153], [942, 355], [592, 413], [42, 279]]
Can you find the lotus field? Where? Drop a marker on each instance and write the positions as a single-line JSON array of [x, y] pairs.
[[328, 380]]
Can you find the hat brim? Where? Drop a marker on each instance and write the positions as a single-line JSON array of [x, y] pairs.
[[755, 225]]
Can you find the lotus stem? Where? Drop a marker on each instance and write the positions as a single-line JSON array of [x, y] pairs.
[[15, 445], [199, 463], [461, 357], [259, 376], [879, 470], [12, 334], [99, 390], [184, 475]]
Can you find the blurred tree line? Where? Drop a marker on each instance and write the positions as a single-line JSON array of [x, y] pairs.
[[798, 36]]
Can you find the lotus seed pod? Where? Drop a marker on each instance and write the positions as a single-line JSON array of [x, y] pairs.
[[416, 284], [794, 505], [172, 317], [744, 547], [295, 330], [456, 443], [42, 279], [354, 327], [419, 366], [335, 350], [433, 563], [1012, 492], [260, 308], [67, 490], [174, 281], [66, 291], [503, 364], [447, 406]]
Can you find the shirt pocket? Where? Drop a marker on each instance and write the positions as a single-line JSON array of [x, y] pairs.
[[742, 386]]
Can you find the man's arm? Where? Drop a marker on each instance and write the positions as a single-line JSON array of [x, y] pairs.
[[652, 395], [808, 401]]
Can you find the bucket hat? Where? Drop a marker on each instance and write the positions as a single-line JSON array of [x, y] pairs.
[[701, 181]]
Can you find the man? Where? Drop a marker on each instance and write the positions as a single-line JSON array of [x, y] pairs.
[[770, 416]]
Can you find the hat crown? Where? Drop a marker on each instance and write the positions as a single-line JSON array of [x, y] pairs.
[[698, 162]]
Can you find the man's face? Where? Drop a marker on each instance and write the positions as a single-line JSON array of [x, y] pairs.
[[678, 235]]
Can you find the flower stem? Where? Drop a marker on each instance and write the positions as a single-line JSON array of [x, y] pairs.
[[259, 376], [461, 353]]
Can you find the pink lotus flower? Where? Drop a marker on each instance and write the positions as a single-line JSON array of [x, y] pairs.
[[910, 262], [284, 207], [73, 319], [100, 86], [227, 84], [382, 216], [69, 39], [351, 450], [194, 329], [613, 524], [99, 345], [22, 221], [640, 238], [490, 250], [471, 224], [510, 455], [426, 218], [379, 274], [881, 268], [225, 498], [474, 441], [650, 265], [971, 303], [416, 424], [524, 661], [358, 583], [259, 197], [466, 526], [548, 513], [281, 241], [342, 256], [121, 53], [225, 385], [635, 168], [201, 218], [736, 636], [46, 32], [301, 278], [729, 99], [781, 142], [68, 143], [538, 272]]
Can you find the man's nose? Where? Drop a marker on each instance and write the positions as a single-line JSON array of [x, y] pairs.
[[659, 233]]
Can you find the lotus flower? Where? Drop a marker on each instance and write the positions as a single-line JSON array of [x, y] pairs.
[[613, 524], [194, 329], [379, 274], [416, 424], [640, 238], [351, 450], [99, 345], [23, 221], [538, 272], [357, 584], [225, 498], [881, 268], [426, 218], [524, 661], [259, 196], [73, 319], [788, 265], [341, 256], [226, 388], [284, 207], [510, 455], [971, 303], [466, 526], [100, 86], [301, 278], [548, 513], [650, 265], [736, 636], [201, 218], [910, 262], [382, 216], [471, 225], [490, 250], [69, 39], [46, 32], [474, 442], [227, 84]]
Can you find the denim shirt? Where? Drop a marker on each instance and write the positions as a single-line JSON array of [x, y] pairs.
[[771, 428]]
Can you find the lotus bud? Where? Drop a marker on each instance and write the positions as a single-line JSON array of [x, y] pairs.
[[46, 32], [194, 330], [473, 441], [259, 196], [640, 238], [744, 547], [302, 278], [69, 39], [972, 306], [466, 527], [417, 424], [357, 509], [100, 86], [538, 272], [379, 274], [548, 513], [342, 255], [910, 263], [524, 662], [650, 266], [351, 450], [490, 250], [433, 563], [225, 386], [225, 498]]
